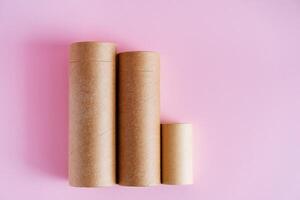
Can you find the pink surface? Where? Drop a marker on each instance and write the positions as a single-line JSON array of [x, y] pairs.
[[232, 68]]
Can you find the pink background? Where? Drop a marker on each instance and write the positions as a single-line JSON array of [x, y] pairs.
[[229, 67]]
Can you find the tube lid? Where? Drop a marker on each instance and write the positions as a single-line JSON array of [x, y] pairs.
[[92, 50], [141, 59]]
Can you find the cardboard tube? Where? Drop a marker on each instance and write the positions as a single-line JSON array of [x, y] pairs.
[[92, 157], [177, 162], [139, 119]]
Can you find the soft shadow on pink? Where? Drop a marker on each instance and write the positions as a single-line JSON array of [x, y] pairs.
[[46, 97]]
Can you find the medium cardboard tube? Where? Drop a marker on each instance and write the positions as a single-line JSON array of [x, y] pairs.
[[139, 119], [92, 83], [177, 150]]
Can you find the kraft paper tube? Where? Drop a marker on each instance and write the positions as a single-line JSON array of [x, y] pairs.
[[177, 164], [139, 119], [92, 157]]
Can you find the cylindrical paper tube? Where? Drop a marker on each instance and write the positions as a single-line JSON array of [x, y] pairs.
[[92, 156], [177, 162], [138, 119]]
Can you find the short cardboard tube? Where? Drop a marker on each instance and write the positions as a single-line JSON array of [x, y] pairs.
[[177, 151]]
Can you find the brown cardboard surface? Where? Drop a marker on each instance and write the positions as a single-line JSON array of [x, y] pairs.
[[100, 51], [139, 118], [177, 159], [92, 113]]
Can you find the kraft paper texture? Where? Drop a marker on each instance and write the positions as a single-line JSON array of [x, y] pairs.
[[92, 114], [177, 161], [139, 118]]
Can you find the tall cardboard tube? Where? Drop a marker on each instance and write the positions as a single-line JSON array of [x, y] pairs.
[[177, 162], [139, 119], [92, 156]]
